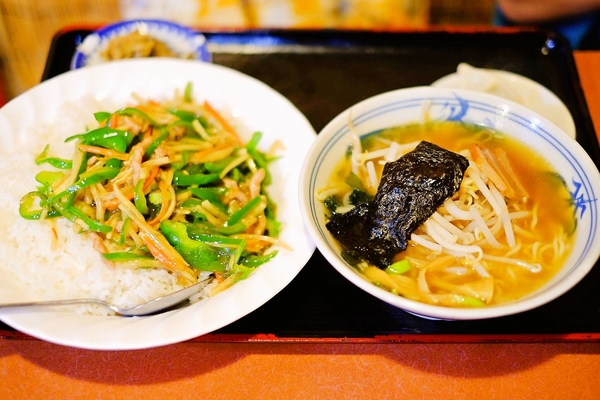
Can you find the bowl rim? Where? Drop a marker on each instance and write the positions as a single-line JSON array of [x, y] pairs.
[[531, 301], [109, 31]]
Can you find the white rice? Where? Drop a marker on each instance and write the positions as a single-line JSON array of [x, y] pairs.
[[74, 269]]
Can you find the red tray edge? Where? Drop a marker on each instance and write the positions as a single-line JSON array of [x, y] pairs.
[[380, 339]]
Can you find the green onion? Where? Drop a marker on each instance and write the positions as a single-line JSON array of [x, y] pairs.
[[399, 267], [353, 180], [472, 302]]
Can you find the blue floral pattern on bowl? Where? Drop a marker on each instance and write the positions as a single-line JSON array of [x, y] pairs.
[[183, 41]]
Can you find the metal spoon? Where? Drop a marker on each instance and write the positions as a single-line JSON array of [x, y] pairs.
[[150, 307]]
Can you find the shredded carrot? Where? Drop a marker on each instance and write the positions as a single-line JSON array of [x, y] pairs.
[[510, 173], [165, 203], [219, 276], [113, 203], [478, 155], [176, 264], [148, 132], [113, 120], [221, 120], [103, 151], [151, 177]]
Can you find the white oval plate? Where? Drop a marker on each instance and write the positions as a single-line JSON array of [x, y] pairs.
[[255, 105], [513, 87]]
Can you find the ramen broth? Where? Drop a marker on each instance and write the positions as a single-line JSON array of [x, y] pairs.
[[542, 224]]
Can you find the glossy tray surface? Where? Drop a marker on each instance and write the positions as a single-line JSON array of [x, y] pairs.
[[325, 72]]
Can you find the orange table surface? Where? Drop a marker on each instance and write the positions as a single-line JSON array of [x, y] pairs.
[[33, 369]]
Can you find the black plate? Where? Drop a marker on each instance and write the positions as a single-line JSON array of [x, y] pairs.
[[325, 72]]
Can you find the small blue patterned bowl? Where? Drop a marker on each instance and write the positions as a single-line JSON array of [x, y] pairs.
[[183, 41], [414, 105]]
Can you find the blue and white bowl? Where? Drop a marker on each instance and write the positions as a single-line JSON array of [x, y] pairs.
[[183, 41], [405, 106]]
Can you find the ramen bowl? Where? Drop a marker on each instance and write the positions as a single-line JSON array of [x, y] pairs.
[[417, 105]]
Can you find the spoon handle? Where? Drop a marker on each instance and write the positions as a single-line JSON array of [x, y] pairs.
[[54, 303]]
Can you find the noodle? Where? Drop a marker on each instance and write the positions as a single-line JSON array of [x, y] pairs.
[[480, 233]]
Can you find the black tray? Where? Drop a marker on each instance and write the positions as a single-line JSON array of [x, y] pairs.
[[325, 72]]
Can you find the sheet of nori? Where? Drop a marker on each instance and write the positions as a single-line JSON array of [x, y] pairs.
[[412, 188]]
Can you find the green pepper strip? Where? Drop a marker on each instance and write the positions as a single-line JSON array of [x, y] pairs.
[[185, 156], [231, 229], [134, 111], [218, 166], [54, 161], [182, 179], [47, 178], [199, 255], [102, 116], [26, 205], [208, 194], [273, 226], [241, 272], [258, 157], [238, 244], [186, 124], [193, 202], [121, 256], [124, 228], [72, 213], [217, 239], [237, 216], [156, 143], [183, 115], [91, 223], [139, 199], [255, 261], [86, 179], [253, 142], [109, 138]]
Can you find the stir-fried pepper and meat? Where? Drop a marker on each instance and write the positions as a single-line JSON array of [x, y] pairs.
[[164, 185]]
